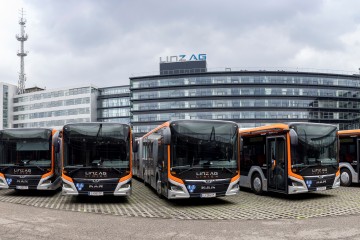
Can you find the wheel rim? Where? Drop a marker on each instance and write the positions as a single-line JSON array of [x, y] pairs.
[[345, 178], [257, 184]]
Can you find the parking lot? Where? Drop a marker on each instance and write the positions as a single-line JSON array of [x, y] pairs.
[[246, 205]]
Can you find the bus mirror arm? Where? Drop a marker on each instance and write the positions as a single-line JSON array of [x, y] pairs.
[[294, 139]]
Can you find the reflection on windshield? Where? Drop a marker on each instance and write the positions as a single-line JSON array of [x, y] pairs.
[[204, 145], [316, 146], [25, 152], [96, 146]]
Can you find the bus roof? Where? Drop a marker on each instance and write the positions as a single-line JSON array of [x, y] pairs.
[[278, 127], [167, 124], [349, 132]]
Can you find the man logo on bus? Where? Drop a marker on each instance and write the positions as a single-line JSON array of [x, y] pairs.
[[191, 188]]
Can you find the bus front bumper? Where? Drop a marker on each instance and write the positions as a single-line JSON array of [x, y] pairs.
[[122, 189], [301, 186]]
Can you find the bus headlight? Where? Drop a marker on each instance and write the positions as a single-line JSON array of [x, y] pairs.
[[65, 185], [297, 184], [48, 181], [176, 188], [125, 186], [236, 186]]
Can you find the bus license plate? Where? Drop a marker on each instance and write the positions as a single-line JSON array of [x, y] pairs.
[[208, 195], [96, 193], [22, 187], [320, 188]]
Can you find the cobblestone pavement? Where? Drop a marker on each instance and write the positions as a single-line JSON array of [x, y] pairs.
[[246, 205]]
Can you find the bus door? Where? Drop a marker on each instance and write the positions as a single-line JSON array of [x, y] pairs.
[[276, 163]]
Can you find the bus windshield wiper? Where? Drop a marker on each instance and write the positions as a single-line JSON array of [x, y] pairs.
[[26, 163], [186, 170], [75, 169], [229, 170], [301, 170]]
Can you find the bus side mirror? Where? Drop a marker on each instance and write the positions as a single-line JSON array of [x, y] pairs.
[[167, 136], [294, 139], [135, 144]]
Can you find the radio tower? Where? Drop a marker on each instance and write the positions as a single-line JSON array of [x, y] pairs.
[[22, 37]]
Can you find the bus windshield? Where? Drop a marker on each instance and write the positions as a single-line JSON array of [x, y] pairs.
[[317, 146], [206, 144], [25, 147], [97, 145]]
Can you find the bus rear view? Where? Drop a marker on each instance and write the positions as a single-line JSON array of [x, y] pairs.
[[27, 159], [96, 159]]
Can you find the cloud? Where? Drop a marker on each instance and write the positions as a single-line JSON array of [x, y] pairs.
[[106, 42]]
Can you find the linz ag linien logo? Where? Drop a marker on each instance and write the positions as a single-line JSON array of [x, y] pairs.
[[184, 58], [204, 175], [318, 171], [22, 171], [93, 174]]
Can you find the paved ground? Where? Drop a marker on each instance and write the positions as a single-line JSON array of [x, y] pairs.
[[26, 222], [145, 203]]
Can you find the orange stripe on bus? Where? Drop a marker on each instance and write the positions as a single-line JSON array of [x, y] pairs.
[[290, 173], [349, 132], [166, 124], [235, 178], [264, 129], [47, 174], [67, 178], [2, 175], [169, 173], [130, 164]]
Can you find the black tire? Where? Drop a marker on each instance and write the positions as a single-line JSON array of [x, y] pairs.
[[256, 184], [345, 177], [158, 187]]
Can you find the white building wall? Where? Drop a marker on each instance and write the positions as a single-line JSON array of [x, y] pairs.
[[55, 107], [11, 89]]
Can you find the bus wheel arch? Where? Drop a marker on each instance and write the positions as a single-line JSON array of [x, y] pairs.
[[256, 183], [345, 177]]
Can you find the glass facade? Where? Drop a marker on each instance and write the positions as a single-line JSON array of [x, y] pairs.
[[5, 106], [248, 98], [53, 94], [55, 108], [114, 104], [51, 123]]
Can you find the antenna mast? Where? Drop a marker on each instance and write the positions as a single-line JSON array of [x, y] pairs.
[[22, 37]]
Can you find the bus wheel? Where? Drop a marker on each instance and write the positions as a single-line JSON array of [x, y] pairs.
[[345, 177], [256, 184], [158, 187]]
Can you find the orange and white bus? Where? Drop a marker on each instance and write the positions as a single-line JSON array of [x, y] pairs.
[[289, 158], [28, 160], [349, 156], [191, 158], [96, 159]]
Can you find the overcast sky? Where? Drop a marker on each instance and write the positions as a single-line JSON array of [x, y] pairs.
[[104, 42]]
